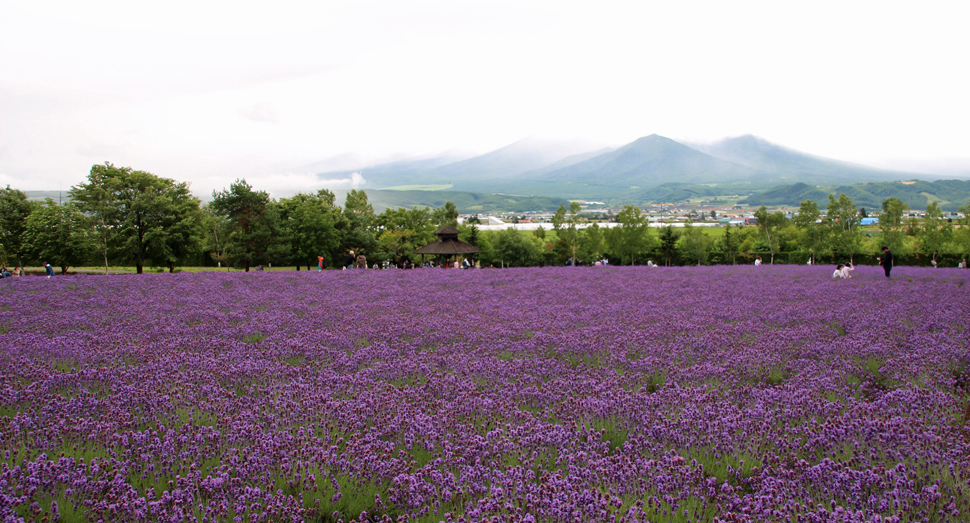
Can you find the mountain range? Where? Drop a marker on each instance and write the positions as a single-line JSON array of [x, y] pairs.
[[651, 168]]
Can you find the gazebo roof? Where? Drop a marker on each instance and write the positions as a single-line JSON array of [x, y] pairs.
[[448, 246], [448, 243]]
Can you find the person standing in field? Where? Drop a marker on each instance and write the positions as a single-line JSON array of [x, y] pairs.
[[349, 260], [886, 260], [50, 270], [361, 261], [321, 262], [757, 261]]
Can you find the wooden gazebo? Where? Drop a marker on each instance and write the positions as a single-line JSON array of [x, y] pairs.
[[447, 245]]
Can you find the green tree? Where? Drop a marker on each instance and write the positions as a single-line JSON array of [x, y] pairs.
[[565, 222], [359, 234], [730, 245], [631, 239], [14, 211], [768, 225], [540, 233], [961, 237], [591, 243], [446, 216], [695, 243], [517, 250], [812, 230], [311, 223], [668, 244], [148, 219], [934, 233], [255, 234], [843, 220], [891, 223], [216, 231], [403, 230], [58, 234]]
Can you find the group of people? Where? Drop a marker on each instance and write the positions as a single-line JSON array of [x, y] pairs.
[[843, 271], [5, 273]]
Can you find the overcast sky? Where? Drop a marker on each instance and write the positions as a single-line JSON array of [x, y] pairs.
[[211, 91]]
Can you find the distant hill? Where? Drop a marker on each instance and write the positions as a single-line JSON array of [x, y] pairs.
[[466, 202], [788, 164], [651, 168], [522, 156], [675, 192], [650, 161], [950, 194], [477, 173], [53, 195], [394, 173]]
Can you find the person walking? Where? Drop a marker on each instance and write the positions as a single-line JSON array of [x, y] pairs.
[[886, 260]]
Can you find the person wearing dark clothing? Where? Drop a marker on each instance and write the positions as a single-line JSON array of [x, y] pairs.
[[349, 260], [887, 260], [50, 270]]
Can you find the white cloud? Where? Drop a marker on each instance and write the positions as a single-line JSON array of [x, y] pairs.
[[259, 112], [161, 91]]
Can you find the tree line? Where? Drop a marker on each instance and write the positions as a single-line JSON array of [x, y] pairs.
[[121, 216]]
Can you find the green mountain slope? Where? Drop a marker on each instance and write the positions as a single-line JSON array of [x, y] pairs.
[[466, 202], [950, 194]]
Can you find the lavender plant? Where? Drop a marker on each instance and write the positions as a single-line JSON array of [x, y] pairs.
[[615, 394]]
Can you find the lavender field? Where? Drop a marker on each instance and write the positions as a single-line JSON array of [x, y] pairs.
[[560, 394]]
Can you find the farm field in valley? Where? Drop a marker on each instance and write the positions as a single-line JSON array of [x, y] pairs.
[[727, 393]]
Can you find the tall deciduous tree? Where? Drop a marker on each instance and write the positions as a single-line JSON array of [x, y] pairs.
[[14, 211], [891, 223], [255, 234], [447, 215], [311, 222], [591, 243], [403, 231], [812, 230], [148, 219], [768, 225], [843, 221], [359, 234], [58, 234], [516, 250], [934, 232], [730, 245], [632, 238], [565, 223], [695, 244], [668, 244], [961, 237]]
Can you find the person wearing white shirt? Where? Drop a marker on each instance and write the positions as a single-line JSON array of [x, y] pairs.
[[838, 272], [847, 269], [757, 261]]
